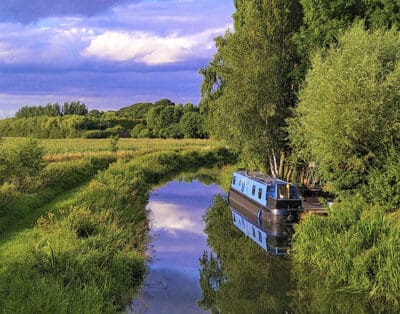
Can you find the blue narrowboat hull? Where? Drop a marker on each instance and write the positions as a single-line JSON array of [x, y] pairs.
[[256, 211]]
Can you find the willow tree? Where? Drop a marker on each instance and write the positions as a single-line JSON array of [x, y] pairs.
[[247, 88], [348, 113], [324, 21]]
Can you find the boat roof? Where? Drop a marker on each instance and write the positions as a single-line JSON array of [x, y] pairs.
[[258, 176]]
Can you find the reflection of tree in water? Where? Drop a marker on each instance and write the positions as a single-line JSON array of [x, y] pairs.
[[240, 277], [206, 176]]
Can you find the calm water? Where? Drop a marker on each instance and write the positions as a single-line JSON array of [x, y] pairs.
[[178, 241], [244, 279]]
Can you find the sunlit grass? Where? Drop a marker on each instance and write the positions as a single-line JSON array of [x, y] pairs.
[[72, 149], [80, 145], [86, 252]]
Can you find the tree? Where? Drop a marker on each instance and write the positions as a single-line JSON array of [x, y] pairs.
[[325, 20], [153, 120], [166, 116], [178, 112], [75, 107], [349, 113], [191, 125], [164, 103], [136, 111], [50, 110], [247, 89], [190, 108]]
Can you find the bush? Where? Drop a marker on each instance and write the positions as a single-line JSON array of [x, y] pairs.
[[383, 183], [20, 165], [348, 112], [95, 134], [145, 133], [137, 129]]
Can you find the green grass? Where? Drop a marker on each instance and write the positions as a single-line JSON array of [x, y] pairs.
[[80, 145], [20, 210], [28, 219], [353, 250], [89, 255]]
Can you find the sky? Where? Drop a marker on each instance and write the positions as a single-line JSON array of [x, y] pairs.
[[106, 53]]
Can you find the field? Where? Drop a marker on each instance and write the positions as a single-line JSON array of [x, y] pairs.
[[73, 224], [71, 149], [79, 145]]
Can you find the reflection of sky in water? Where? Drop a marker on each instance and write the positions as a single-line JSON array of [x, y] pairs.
[[178, 242]]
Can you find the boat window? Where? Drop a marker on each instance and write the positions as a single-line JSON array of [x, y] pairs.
[[270, 188], [259, 193], [293, 191], [254, 232], [234, 217], [243, 183], [283, 190], [259, 236], [234, 180], [253, 190]]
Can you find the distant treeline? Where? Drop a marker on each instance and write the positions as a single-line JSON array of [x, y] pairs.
[[52, 110], [162, 119]]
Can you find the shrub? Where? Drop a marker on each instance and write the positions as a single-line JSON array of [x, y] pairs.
[[94, 134], [383, 183]]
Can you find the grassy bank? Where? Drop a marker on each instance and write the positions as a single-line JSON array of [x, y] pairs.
[[89, 257], [21, 206], [354, 250]]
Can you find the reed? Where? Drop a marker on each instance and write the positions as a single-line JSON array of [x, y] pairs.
[[354, 249]]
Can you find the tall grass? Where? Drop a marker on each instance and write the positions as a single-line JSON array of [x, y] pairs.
[[354, 249], [89, 257], [19, 210]]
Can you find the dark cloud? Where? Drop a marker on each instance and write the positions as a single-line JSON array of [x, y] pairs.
[[26, 11]]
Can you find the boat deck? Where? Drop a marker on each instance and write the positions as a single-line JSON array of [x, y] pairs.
[[311, 205]]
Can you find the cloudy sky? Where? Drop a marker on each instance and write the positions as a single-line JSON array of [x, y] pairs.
[[106, 53]]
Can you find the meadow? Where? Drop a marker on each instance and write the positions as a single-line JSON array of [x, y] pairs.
[[74, 231], [72, 149], [81, 145]]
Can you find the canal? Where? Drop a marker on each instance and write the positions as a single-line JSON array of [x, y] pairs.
[[234, 275], [177, 243]]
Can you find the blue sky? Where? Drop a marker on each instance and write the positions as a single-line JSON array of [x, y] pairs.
[[106, 53]]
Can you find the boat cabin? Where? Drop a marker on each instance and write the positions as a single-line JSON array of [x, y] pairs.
[[263, 189]]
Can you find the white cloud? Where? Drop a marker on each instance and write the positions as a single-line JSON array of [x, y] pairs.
[[150, 48], [172, 218], [44, 46], [6, 113]]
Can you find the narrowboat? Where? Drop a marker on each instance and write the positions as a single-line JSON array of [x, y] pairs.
[[264, 198]]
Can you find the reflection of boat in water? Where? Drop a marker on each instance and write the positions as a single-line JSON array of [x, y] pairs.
[[263, 208], [272, 237]]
